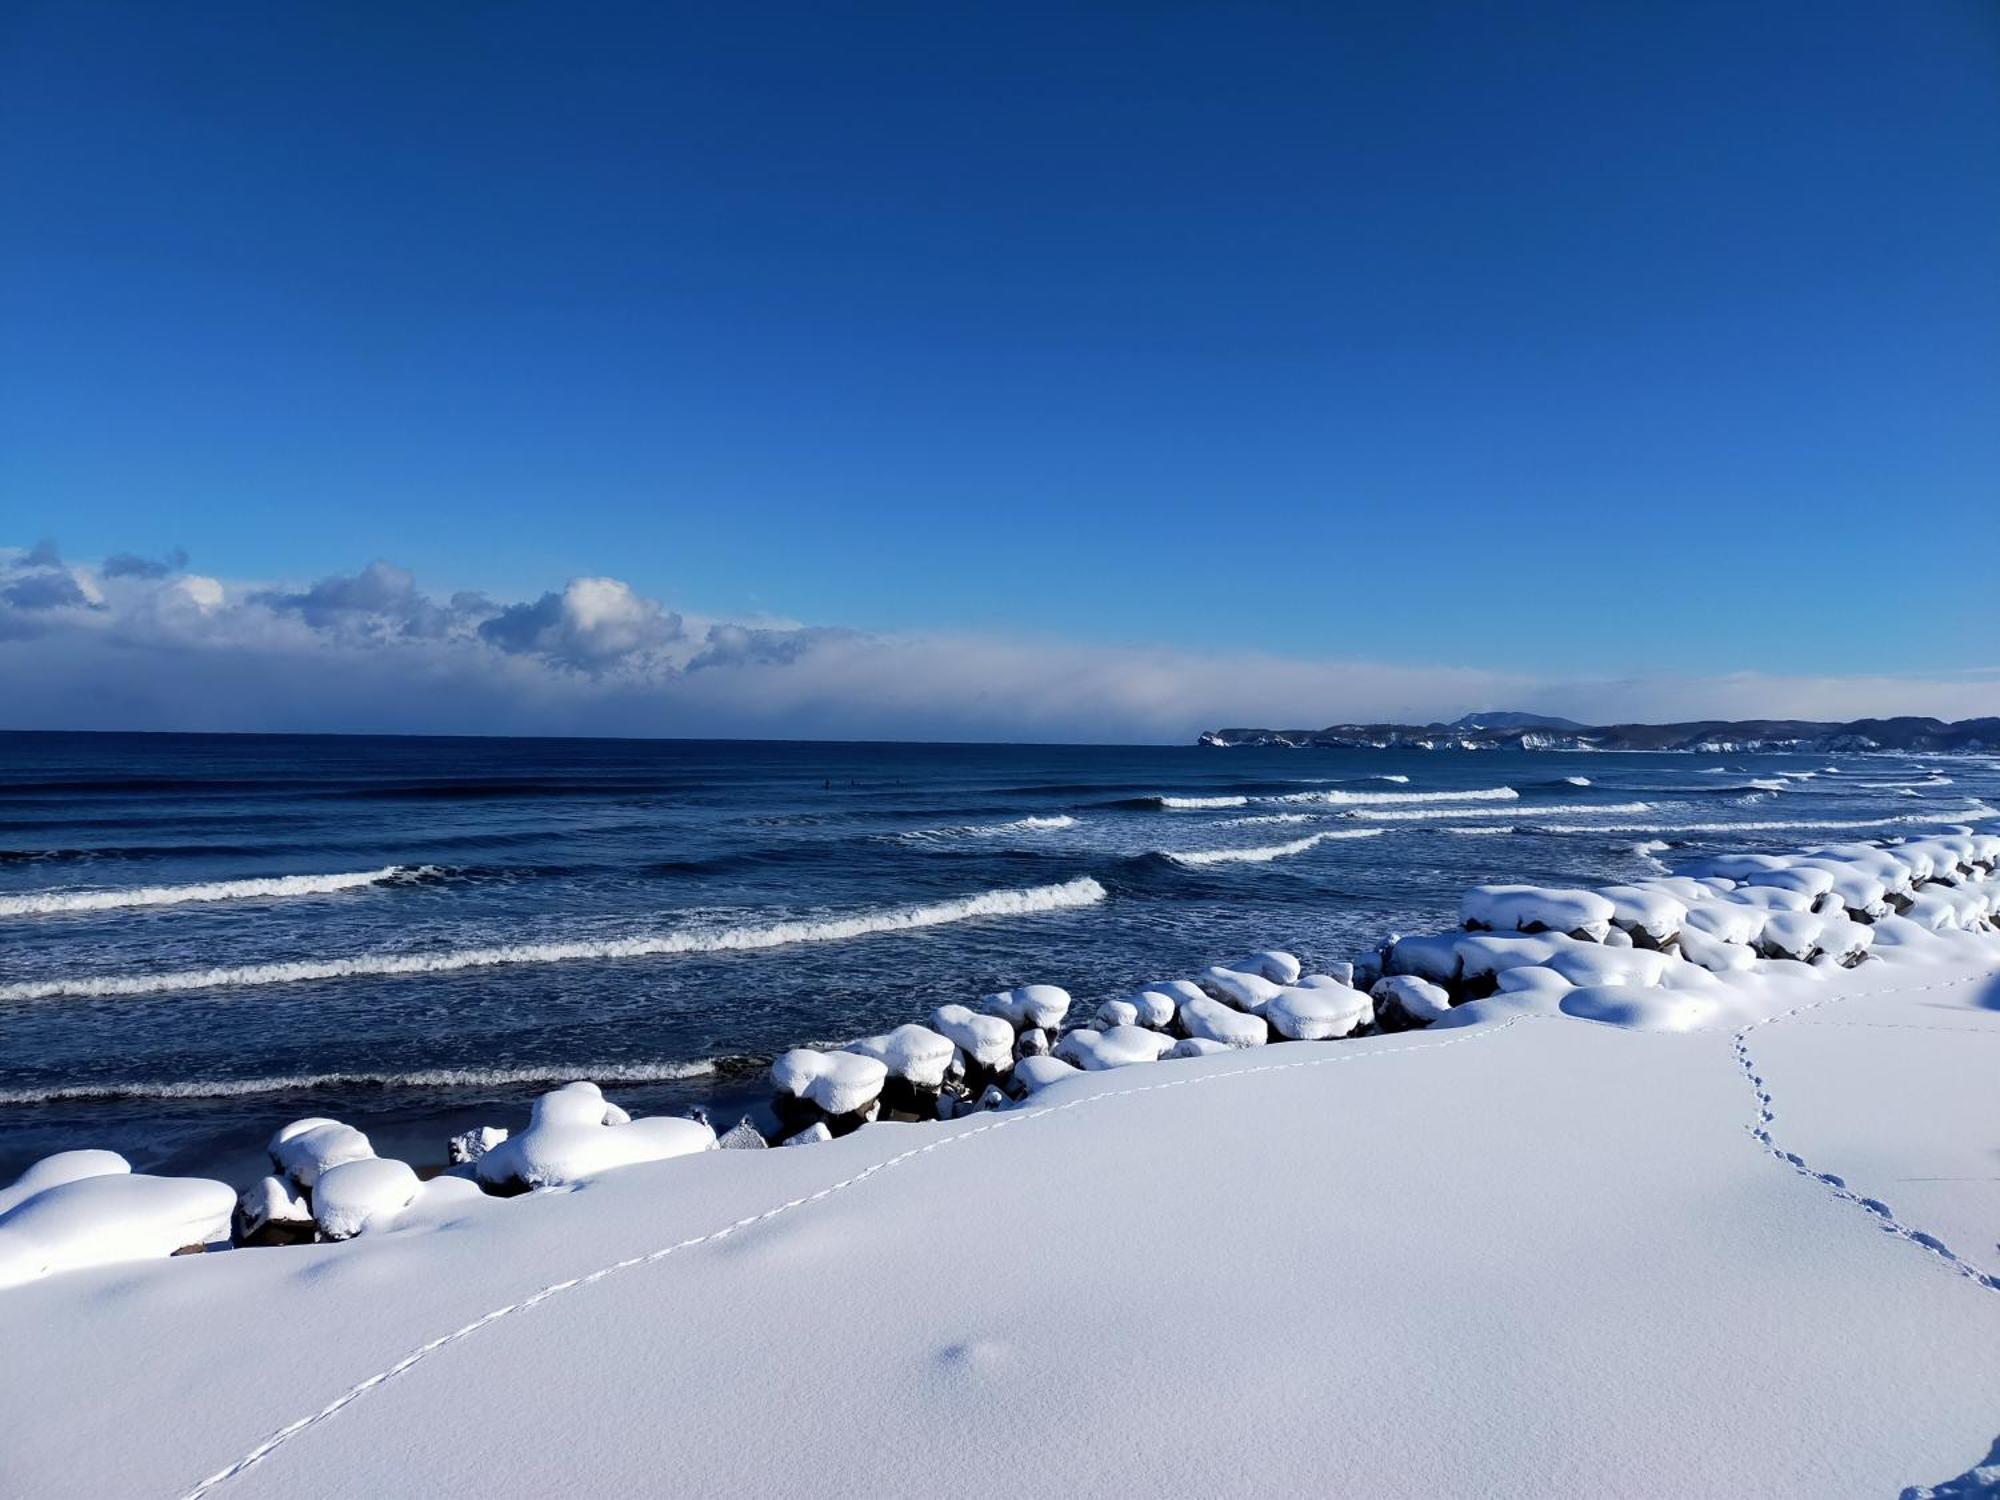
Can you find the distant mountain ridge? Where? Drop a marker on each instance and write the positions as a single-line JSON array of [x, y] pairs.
[[1522, 731]]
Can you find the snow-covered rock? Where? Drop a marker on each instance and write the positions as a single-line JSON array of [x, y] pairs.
[[567, 1141], [1249, 992], [1033, 1074], [106, 1218], [1406, 1001], [272, 1211], [1117, 1013], [812, 1135], [1157, 1004], [1039, 1005], [1198, 1046], [305, 1148], [1118, 1047], [1318, 1012], [1034, 1042], [54, 1171], [1716, 954], [470, 1145], [742, 1136], [1273, 964], [1533, 908], [1211, 1020], [841, 1083], [984, 1039], [916, 1054], [360, 1195], [1646, 912]]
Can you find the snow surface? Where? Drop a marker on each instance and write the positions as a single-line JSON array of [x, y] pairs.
[[1679, 1233]]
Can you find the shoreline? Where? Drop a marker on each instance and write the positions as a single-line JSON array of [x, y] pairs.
[[1278, 1221]]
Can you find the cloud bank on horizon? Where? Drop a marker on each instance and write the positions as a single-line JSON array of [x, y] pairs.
[[143, 643]]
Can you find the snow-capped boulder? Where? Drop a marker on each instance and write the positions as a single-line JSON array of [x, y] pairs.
[[916, 1054], [1248, 992], [1118, 1047], [1588, 964], [742, 1136], [1533, 908], [470, 1145], [109, 1217], [567, 1141], [840, 1083], [1038, 1005], [1405, 1002], [305, 1148], [1157, 1004], [1650, 916], [1033, 1074], [272, 1212], [1431, 956], [1810, 881], [1210, 1019], [985, 1040], [1791, 934], [1117, 1013], [1731, 922], [1715, 954], [812, 1135], [1273, 964], [54, 1171], [361, 1195], [1318, 1012], [1198, 1046]]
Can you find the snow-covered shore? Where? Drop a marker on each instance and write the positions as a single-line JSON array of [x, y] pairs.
[[1629, 1224]]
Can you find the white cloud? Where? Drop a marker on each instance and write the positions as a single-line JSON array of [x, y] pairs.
[[141, 646]]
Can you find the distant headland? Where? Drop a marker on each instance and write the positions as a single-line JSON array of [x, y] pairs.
[[1524, 731]]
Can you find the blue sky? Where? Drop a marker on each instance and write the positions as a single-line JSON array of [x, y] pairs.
[[1578, 341]]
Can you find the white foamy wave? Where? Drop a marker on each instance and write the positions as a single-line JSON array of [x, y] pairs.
[[1650, 851], [1036, 824], [428, 1078], [1256, 818], [1399, 780], [1789, 825], [1082, 891], [1193, 803], [1412, 814], [1265, 853], [1577, 780], [42, 903], [1346, 799]]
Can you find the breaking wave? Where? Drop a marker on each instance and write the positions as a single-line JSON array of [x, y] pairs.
[[1082, 891], [1786, 826], [42, 903], [430, 1078], [1266, 853], [1343, 799], [1401, 814], [1035, 824], [1190, 803]]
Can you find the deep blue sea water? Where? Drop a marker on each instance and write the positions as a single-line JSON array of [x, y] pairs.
[[664, 916]]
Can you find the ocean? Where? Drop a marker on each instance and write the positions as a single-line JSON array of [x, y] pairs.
[[203, 937]]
